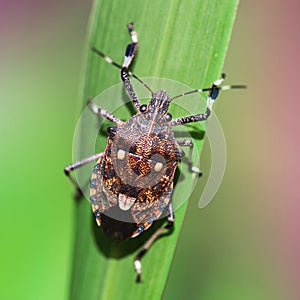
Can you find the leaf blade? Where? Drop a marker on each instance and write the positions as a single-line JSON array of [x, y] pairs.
[[102, 270]]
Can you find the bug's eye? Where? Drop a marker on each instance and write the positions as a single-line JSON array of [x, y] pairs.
[[168, 117], [112, 130], [143, 108]]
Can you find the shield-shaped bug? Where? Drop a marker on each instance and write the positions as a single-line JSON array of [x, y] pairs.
[[132, 182]]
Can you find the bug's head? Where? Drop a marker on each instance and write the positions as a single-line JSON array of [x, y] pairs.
[[159, 104]]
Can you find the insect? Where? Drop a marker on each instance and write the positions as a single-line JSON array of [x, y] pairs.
[[132, 181]]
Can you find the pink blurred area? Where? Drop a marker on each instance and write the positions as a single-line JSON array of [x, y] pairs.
[[265, 49], [32, 30]]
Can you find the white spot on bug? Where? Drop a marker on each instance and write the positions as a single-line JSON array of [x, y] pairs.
[[135, 234], [121, 154], [210, 102], [134, 37], [195, 170], [93, 107], [127, 61], [158, 166], [125, 202], [138, 266], [108, 59], [225, 87], [98, 222], [219, 81]]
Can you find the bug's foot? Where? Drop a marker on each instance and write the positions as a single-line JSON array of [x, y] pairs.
[[195, 170], [138, 268]]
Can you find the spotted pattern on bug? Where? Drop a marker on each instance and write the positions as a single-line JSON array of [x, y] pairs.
[[136, 171]]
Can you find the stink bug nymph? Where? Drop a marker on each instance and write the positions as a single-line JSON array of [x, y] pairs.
[[132, 181]]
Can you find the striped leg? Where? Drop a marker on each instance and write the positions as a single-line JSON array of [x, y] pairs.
[[125, 73], [212, 95], [77, 165], [103, 112], [129, 55], [168, 227], [190, 144]]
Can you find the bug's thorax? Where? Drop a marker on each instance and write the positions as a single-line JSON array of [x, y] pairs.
[[153, 120]]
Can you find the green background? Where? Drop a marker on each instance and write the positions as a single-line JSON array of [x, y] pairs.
[[244, 245]]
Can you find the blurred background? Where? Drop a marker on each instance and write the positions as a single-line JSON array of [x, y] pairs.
[[244, 245]]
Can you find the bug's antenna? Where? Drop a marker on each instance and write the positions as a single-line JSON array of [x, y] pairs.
[[110, 61], [213, 86]]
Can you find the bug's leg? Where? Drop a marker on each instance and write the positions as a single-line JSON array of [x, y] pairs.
[[129, 55], [77, 165], [156, 234], [212, 95], [190, 144], [103, 112]]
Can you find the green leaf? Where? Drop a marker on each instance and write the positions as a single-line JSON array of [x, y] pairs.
[[182, 40]]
